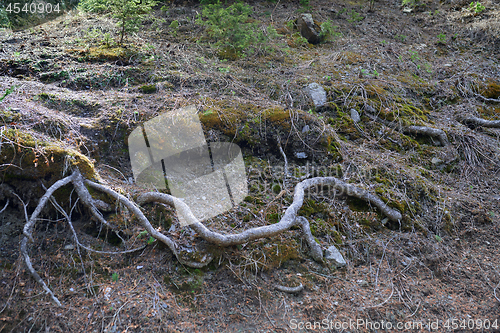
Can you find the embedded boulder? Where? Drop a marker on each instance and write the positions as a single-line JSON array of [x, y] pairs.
[[317, 94], [309, 29]]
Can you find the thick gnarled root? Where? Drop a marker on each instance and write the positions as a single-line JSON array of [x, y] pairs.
[[288, 220]]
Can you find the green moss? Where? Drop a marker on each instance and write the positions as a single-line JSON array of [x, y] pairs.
[[277, 254], [228, 53], [358, 205], [344, 125], [39, 159], [310, 207], [148, 88], [350, 58], [491, 90], [103, 53]]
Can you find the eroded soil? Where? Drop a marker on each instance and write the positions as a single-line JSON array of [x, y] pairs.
[[440, 263]]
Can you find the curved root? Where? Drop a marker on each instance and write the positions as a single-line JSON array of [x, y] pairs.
[[288, 220], [290, 290], [423, 130], [476, 122], [430, 131]]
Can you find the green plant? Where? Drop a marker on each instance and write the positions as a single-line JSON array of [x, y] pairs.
[[328, 30], [441, 38], [174, 25], [7, 92], [95, 6], [401, 38], [414, 56], [410, 3], [232, 28], [304, 2], [438, 238], [129, 13], [476, 7], [4, 19], [114, 277], [354, 16]]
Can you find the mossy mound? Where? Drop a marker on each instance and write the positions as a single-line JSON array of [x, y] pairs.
[[491, 89], [104, 53], [260, 128], [30, 158]]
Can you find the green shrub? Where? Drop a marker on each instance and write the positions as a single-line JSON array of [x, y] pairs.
[[329, 31], [476, 7], [232, 28], [4, 19], [128, 12], [95, 6]]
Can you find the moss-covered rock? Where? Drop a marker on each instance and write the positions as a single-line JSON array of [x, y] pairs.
[[33, 158]]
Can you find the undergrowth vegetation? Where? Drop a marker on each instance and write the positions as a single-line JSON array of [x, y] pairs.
[[235, 33]]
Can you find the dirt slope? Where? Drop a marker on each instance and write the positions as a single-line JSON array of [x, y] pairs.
[[431, 66]]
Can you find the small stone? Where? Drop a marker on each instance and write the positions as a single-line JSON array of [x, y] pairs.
[[333, 254], [369, 108], [436, 161], [317, 94], [362, 283], [355, 116], [301, 155], [69, 247], [305, 129]]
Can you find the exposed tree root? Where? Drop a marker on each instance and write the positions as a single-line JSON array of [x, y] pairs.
[[474, 122], [27, 231], [132, 207], [290, 290], [422, 130], [288, 220], [430, 131]]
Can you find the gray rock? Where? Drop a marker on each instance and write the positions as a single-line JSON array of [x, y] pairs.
[[69, 247], [334, 255], [317, 94], [436, 161], [369, 109], [305, 129], [308, 29], [301, 155], [355, 116]]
